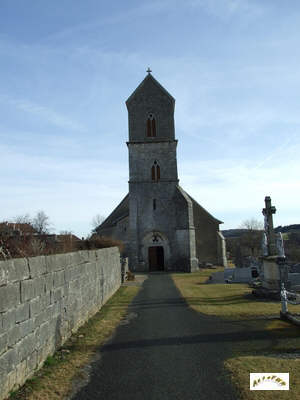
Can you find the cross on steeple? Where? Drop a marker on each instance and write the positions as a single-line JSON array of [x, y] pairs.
[[268, 212], [149, 70]]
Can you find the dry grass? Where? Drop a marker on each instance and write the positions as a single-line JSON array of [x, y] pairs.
[[231, 264], [224, 300], [55, 380], [240, 368], [234, 302]]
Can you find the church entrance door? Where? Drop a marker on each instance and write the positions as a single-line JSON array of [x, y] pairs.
[[156, 258]]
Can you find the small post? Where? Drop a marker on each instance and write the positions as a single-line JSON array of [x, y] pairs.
[[123, 262], [284, 309]]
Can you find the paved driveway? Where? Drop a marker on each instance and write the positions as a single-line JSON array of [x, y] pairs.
[[162, 350]]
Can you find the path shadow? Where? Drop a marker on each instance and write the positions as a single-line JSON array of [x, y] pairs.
[[168, 349]]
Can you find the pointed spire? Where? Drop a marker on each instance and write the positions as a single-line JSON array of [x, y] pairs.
[[149, 78]]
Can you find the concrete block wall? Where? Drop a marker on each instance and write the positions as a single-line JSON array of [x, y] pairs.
[[43, 300]]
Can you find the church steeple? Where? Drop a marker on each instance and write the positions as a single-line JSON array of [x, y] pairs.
[[152, 144], [162, 226], [150, 112]]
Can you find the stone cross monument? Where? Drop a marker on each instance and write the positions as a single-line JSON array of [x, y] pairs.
[[273, 254], [268, 212]]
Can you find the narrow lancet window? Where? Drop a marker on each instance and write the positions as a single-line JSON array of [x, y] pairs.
[[148, 127], [154, 204], [151, 126], [155, 171]]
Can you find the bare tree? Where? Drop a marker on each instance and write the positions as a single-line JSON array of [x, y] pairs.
[[97, 220], [22, 219], [250, 241], [252, 224], [41, 222]]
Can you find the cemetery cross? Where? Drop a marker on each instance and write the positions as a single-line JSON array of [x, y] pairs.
[[268, 212]]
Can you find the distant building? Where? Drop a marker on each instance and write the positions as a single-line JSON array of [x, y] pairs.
[[162, 226], [11, 229]]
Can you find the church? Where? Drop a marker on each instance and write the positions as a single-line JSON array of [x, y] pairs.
[[163, 228]]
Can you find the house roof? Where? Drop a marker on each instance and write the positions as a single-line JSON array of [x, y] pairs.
[[67, 236], [21, 227]]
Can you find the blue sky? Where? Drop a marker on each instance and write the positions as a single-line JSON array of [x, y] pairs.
[[67, 67]]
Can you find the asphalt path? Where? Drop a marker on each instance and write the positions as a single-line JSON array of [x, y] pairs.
[[163, 350]]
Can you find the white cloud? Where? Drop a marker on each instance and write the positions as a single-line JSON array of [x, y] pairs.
[[44, 113], [226, 9], [237, 190], [146, 9]]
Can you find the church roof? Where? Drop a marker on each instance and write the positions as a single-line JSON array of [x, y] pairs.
[[120, 212], [196, 204], [148, 78]]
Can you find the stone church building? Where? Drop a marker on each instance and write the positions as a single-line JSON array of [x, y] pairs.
[[162, 227]]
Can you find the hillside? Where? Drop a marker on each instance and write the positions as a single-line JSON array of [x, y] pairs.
[[295, 228], [233, 233], [236, 233]]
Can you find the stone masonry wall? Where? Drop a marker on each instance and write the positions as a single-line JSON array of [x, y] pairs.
[[43, 300]]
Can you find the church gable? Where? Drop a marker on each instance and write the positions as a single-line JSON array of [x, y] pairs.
[[190, 213], [150, 112], [184, 209], [148, 89], [201, 213]]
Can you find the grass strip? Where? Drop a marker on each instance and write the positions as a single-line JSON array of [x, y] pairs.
[[280, 352], [224, 300], [56, 379], [240, 368]]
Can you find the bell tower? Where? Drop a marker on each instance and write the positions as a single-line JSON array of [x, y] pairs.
[[162, 227], [152, 163], [152, 144]]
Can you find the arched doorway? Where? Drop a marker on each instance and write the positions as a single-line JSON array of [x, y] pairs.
[[156, 258]]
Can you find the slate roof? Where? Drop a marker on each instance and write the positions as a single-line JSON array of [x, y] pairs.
[[120, 212], [196, 204], [140, 87]]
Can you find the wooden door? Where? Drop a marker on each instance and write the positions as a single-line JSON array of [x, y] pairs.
[[156, 258]]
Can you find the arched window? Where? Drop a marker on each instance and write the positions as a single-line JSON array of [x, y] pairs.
[[151, 126], [155, 171]]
